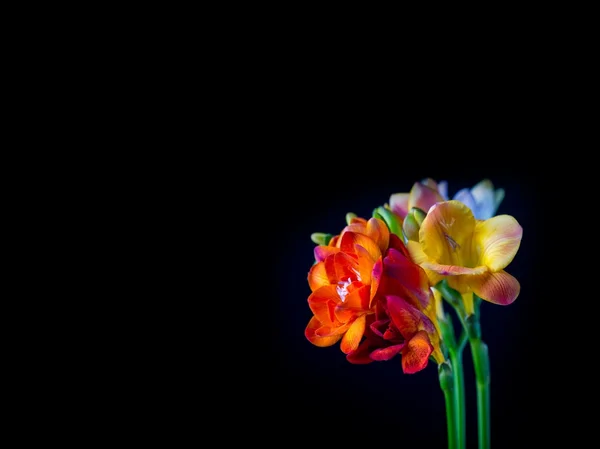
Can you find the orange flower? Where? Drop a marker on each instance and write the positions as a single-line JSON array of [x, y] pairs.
[[365, 284], [344, 282]]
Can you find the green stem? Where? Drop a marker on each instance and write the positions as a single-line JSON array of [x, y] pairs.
[[459, 394], [458, 383], [446, 377], [481, 362]]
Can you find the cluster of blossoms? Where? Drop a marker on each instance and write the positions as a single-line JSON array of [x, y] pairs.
[[373, 285]]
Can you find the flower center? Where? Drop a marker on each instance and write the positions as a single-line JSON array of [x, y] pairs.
[[342, 288]]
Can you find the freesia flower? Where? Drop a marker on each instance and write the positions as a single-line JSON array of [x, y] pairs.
[[354, 273], [471, 254], [482, 199], [344, 282], [422, 195], [397, 328]]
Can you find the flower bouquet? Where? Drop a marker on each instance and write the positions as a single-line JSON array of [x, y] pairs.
[[384, 288]]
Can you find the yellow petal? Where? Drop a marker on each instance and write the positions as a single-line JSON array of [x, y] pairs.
[[460, 283], [447, 232], [468, 303], [497, 241], [419, 257]]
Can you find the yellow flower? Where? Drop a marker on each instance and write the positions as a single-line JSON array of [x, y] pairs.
[[471, 254]]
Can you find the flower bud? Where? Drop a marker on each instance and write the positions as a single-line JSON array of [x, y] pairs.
[[349, 217], [412, 223], [321, 238]]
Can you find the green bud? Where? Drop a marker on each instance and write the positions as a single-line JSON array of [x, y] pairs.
[[411, 228], [446, 376], [392, 220], [418, 214], [321, 238], [412, 223], [349, 217]]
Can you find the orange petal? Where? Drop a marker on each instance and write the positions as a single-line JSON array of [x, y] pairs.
[[322, 303], [317, 276], [498, 288], [322, 342], [498, 240], [365, 264], [352, 337], [349, 239], [357, 298], [415, 354], [379, 232], [340, 267], [329, 331], [355, 303]]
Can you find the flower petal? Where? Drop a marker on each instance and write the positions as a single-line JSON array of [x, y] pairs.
[[309, 333], [357, 301], [483, 193], [365, 264], [362, 354], [498, 197], [383, 354], [419, 257], [322, 252], [446, 234], [353, 335], [379, 232], [317, 276], [399, 204], [465, 197], [349, 239], [497, 241], [443, 189], [423, 197], [404, 316], [411, 276], [340, 267], [453, 270], [376, 278], [498, 288], [460, 283], [398, 245], [322, 303], [415, 353]]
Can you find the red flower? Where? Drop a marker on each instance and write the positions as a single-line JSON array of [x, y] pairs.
[[396, 328]]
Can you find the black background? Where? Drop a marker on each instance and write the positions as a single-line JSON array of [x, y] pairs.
[[539, 345]]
